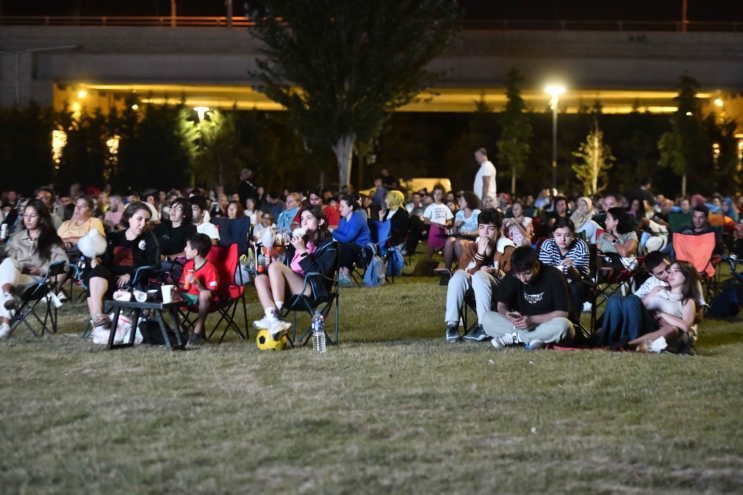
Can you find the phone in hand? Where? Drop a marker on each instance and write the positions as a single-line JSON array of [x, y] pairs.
[[513, 315]]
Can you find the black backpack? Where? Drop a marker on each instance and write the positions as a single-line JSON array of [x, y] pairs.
[[727, 303]]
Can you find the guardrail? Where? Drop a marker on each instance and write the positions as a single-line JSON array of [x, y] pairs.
[[242, 22]]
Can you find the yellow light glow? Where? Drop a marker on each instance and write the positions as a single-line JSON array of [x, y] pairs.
[[201, 111], [76, 107], [59, 140], [82, 94], [718, 102], [555, 90], [135, 106], [688, 113]]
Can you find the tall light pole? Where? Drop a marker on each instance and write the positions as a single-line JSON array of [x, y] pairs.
[[555, 91]]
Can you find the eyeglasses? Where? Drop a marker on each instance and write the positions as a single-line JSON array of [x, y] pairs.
[[81, 206], [266, 218]]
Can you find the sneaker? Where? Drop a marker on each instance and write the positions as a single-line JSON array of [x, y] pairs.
[[5, 331], [279, 329], [9, 303], [61, 296], [194, 341], [535, 344], [506, 340], [452, 333], [265, 322], [344, 280], [477, 335], [587, 307]]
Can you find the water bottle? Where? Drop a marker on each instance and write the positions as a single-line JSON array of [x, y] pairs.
[[318, 333]]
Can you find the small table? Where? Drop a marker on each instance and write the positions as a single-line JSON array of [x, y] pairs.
[[157, 308]]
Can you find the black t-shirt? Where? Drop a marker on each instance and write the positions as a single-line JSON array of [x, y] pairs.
[[173, 239], [548, 293]]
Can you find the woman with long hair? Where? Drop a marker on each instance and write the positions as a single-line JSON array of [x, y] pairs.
[[353, 234], [235, 210], [172, 235], [620, 238], [519, 228], [134, 247], [311, 251], [28, 255], [667, 311]]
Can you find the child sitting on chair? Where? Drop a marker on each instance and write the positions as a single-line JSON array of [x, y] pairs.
[[199, 282]]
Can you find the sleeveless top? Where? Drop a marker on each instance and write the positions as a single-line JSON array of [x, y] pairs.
[[667, 302]]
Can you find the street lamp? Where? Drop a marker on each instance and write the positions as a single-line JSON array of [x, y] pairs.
[[201, 111], [555, 91]]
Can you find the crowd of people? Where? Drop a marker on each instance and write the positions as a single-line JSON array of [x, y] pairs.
[[524, 260]]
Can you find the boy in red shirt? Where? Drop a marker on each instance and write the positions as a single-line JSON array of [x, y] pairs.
[[199, 282]]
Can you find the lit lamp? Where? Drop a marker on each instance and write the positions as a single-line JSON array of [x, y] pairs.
[[201, 111], [555, 91]]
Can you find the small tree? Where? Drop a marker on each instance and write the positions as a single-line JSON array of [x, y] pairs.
[[682, 146], [595, 159], [513, 145], [342, 67]]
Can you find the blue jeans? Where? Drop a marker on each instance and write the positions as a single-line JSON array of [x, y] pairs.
[[625, 319]]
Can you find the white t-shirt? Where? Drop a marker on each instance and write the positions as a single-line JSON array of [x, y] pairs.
[[438, 214], [487, 169], [209, 229]]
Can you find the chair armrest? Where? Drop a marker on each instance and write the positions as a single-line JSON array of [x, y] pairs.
[[138, 274]]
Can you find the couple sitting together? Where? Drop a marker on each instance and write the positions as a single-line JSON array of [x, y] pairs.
[[538, 297]]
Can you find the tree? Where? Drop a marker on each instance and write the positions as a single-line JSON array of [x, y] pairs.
[[513, 145], [342, 67], [683, 146], [595, 159]]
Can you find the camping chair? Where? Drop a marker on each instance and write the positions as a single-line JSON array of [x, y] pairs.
[[380, 234], [698, 250], [468, 302], [35, 294], [225, 259], [676, 220], [609, 281], [233, 232], [311, 303]]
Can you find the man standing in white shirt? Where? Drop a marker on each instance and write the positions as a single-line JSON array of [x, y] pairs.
[[485, 178], [199, 207]]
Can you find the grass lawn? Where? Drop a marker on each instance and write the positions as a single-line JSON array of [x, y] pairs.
[[393, 409]]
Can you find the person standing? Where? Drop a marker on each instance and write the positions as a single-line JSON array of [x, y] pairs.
[[246, 189], [485, 178]]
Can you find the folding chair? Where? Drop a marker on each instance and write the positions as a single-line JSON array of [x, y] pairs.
[[698, 250], [311, 303], [468, 303], [380, 234], [35, 294], [609, 281], [237, 231], [225, 259]]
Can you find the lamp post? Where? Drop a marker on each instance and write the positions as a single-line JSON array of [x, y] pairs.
[[555, 91]]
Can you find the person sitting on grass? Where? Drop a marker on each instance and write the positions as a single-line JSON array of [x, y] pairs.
[[570, 255], [481, 267], [126, 251], [658, 265], [311, 252], [439, 218], [199, 209], [28, 255], [199, 283], [668, 312], [353, 234], [533, 305]]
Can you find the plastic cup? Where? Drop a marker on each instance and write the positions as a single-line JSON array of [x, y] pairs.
[[140, 296], [167, 291]]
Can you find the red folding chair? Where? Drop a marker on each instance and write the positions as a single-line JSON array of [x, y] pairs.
[[229, 294]]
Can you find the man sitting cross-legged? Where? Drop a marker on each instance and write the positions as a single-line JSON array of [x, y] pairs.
[[533, 305], [199, 282], [480, 270]]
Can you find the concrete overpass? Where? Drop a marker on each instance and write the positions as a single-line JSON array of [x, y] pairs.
[[209, 66]]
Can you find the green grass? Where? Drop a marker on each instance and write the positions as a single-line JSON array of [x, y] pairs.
[[393, 409]]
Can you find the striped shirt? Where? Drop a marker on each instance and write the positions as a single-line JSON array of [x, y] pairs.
[[550, 254]]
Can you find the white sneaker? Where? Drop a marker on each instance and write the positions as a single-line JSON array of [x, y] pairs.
[[265, 322], [587, 307], [506, 340], [5, 331], [56, 300], [61, 296], [279, 329]]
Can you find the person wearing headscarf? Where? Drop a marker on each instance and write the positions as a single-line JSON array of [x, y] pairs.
[[729, 210], [581, 218], [397, 215]]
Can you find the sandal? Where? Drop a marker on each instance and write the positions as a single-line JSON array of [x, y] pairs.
[[101, 321]]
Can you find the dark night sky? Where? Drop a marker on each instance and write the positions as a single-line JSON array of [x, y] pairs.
[[651, 10]]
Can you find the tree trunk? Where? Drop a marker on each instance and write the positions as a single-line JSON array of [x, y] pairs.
[[683, 185], [343, 150], [513, 182]]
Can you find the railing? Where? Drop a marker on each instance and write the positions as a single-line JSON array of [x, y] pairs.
[[242, 22]]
